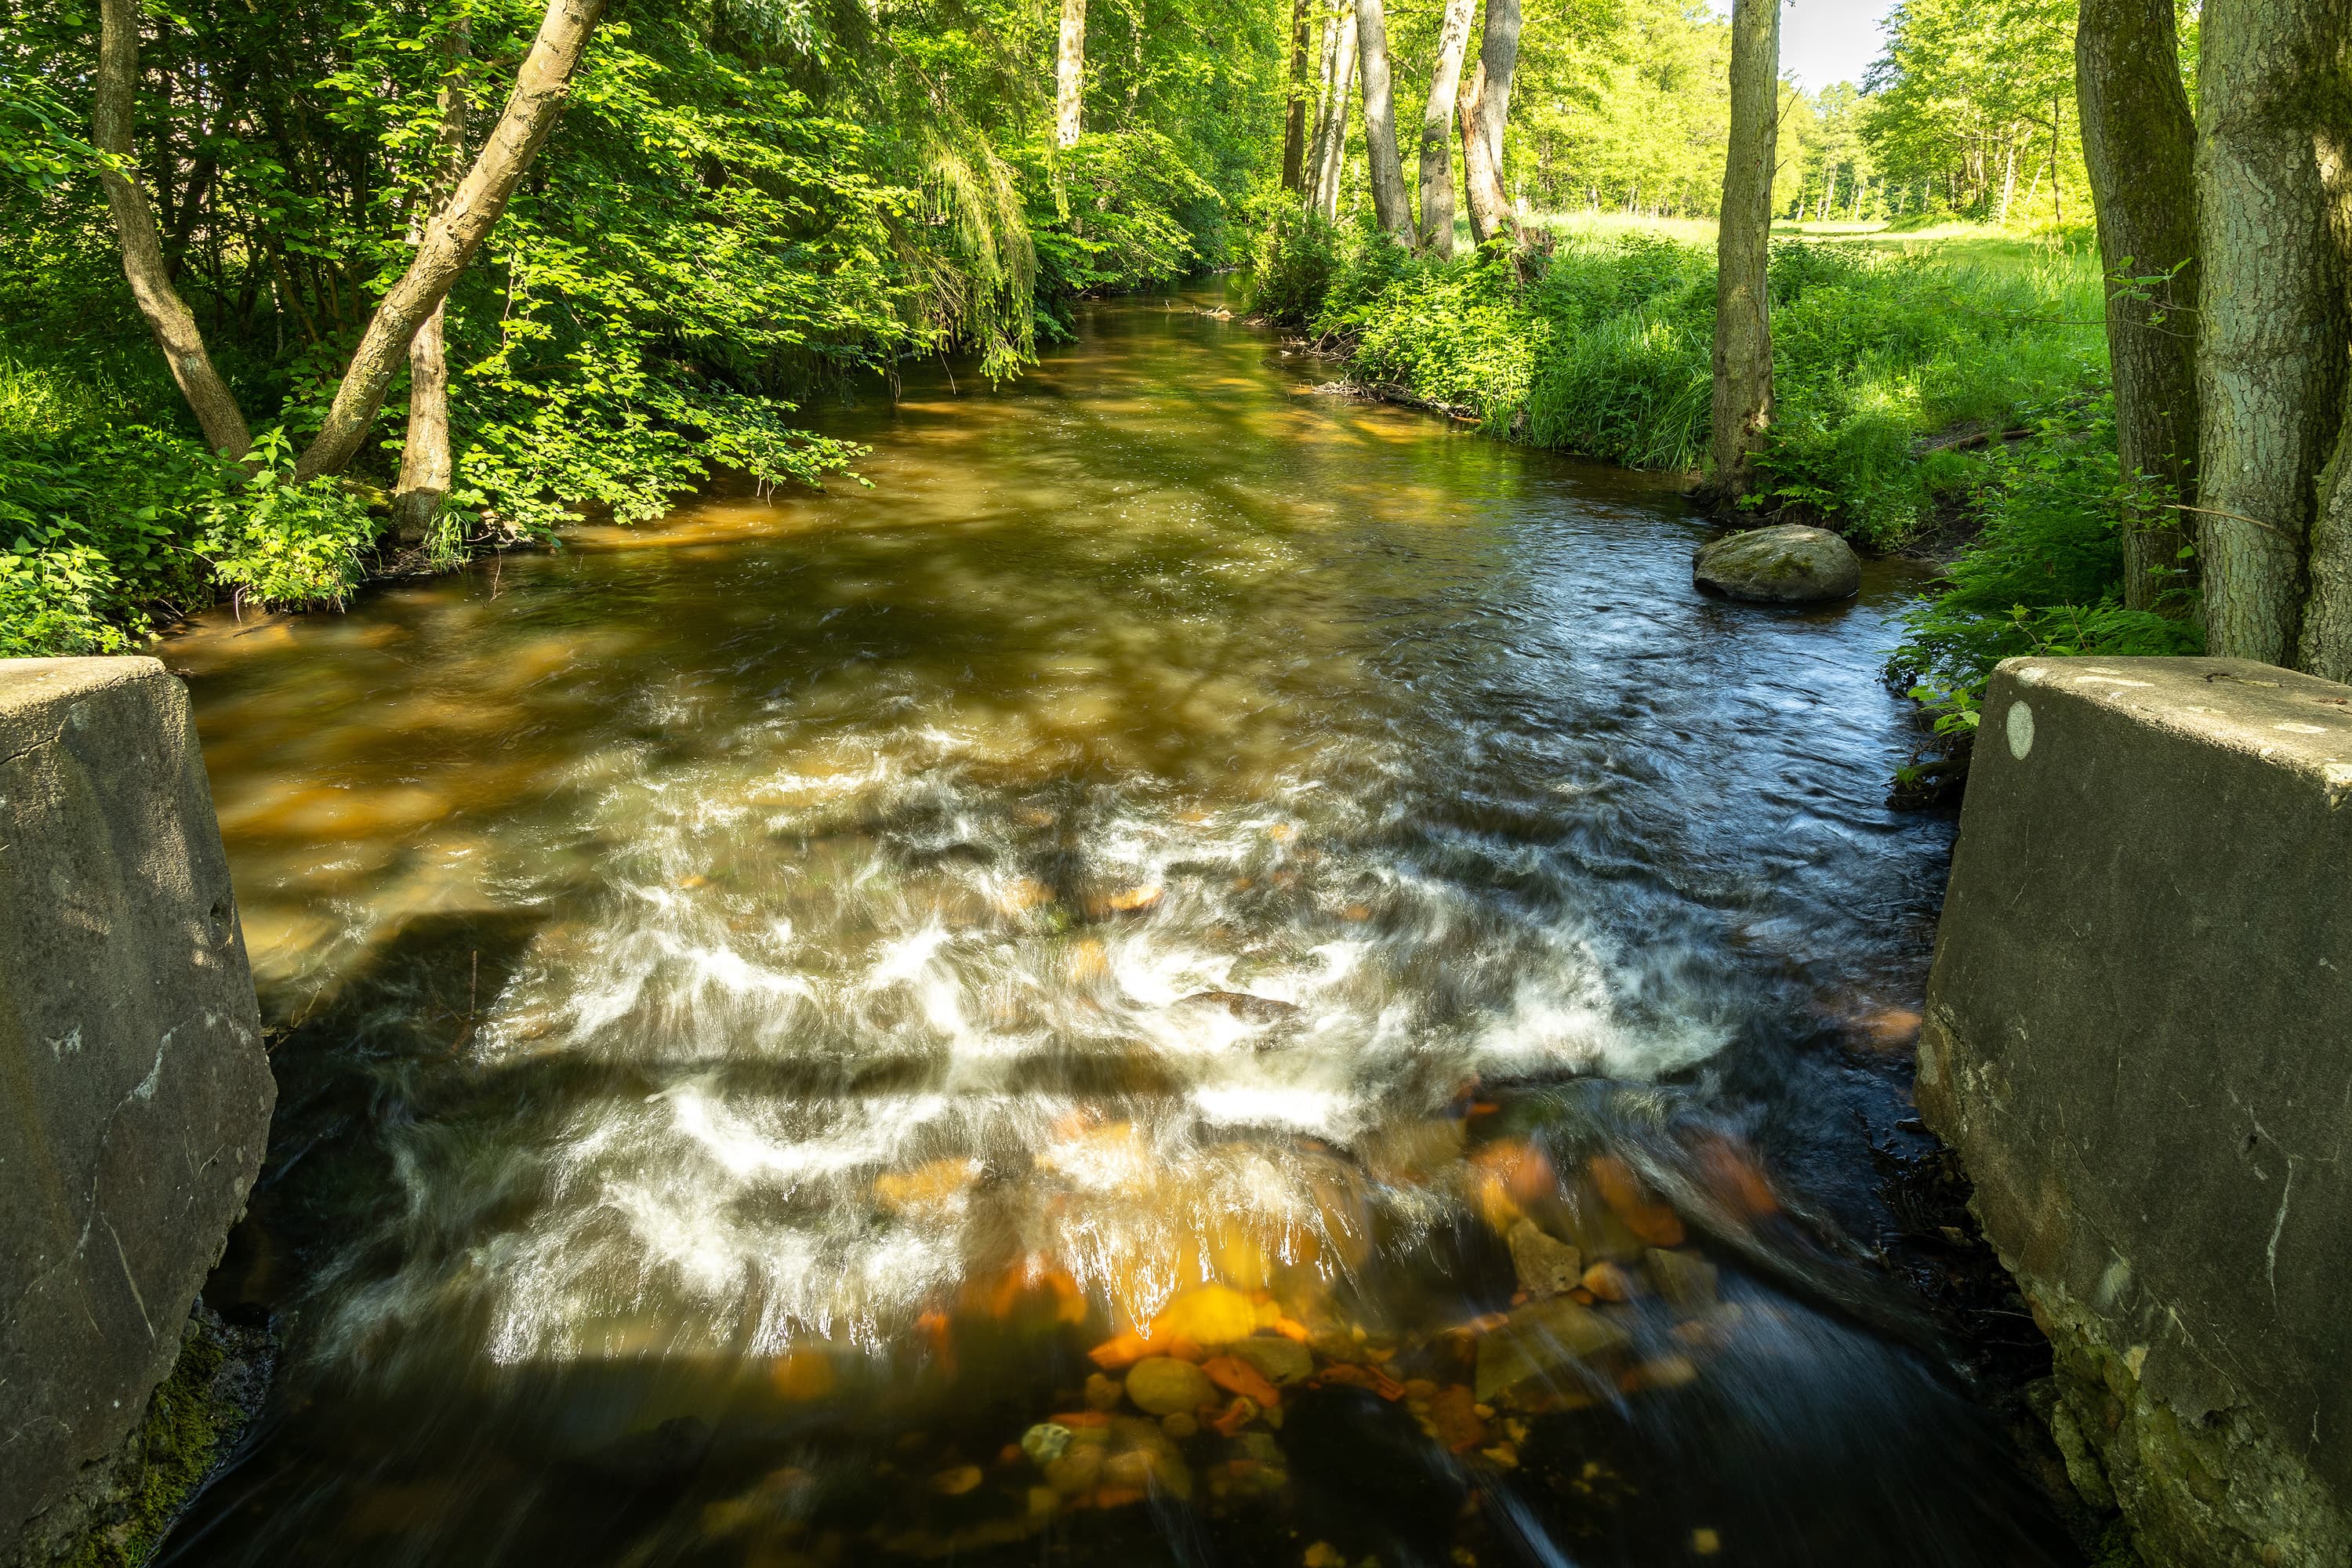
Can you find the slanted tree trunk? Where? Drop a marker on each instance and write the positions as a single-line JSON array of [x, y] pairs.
[[2139, 142], [1437, 131], [1743, 324], [455, 233], [1484, 111], [1070, 74], [142, 243], [1392, 205], [1294, 132], [1335, 152], [425, 463], [2271, 315]]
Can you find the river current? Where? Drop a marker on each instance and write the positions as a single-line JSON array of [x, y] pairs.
[[1204, 973]]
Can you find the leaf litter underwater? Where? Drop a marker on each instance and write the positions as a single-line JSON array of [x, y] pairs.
[[1204, 975]]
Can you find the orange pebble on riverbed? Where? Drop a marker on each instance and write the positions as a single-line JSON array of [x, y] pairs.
[[1239, 1377], [1622, 1191]]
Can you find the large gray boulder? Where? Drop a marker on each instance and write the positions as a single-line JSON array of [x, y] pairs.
[[134, 1093], [1786, 565]]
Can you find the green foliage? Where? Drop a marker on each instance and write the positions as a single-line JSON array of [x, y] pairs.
[[1629, 377], [1293, 258], [2043, 577], [746, 203], [1458, 335], [283, 544], [91, 506]]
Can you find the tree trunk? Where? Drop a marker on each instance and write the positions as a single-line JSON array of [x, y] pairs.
[[1483, 114], [1326, 109], [1437, 131], [455, 233], [2140, 144], [1070, 74], [1392, 205], [142, 243], [2271, 329], [1743, 325], [1294, 132], [425, 463], [2326, 644], [1343, 85]]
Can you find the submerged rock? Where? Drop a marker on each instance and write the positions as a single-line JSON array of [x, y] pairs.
[[1545, 1266], [1164, 1385], [1277, 1360], [1685, 1279], [1544, 1340], [1243, 1006], [1045, 1442], [1787, 565]]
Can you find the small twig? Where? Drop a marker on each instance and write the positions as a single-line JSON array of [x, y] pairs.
[[2234, 517]]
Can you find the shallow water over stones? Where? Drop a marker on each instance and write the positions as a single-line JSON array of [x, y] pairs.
[[1205, 973]]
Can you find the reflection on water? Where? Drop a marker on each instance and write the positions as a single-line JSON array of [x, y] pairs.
[[1203, 974]]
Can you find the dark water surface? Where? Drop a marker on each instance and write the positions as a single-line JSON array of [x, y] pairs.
[[1179, 861]]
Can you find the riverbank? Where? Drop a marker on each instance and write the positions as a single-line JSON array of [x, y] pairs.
[[1944, 396]]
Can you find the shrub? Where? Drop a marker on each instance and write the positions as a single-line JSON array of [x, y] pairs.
[[2043, 577], [284, 543], [1291, 265]]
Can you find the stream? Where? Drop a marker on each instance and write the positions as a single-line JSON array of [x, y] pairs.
[[1205, 973]]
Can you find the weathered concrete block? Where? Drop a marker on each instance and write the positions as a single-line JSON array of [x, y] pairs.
[[2139, 1038], [134, 1094]]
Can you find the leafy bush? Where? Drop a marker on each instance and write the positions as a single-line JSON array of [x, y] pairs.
[[2043, 577], [1292, 259], [284, 543], [1455, 334]]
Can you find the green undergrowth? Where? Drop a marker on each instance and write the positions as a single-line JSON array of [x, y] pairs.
[[1925, 392]]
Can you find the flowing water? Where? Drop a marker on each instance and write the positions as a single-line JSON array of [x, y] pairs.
[[802, 1031]]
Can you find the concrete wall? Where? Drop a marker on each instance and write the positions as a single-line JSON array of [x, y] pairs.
[[2140, 1039], [134, 1095]]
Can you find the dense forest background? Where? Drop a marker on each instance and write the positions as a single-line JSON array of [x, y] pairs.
[[748, 203]]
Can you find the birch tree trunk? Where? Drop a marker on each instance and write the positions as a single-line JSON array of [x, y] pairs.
[[1437, 131], [1070, 74], [1326, 58], [142, 242], [424, 464], [1392, 205], [1343, 88], [1743, 325], [1483, 114], [2272, 327], [2140, 144], [1294, 132], [456, 232]]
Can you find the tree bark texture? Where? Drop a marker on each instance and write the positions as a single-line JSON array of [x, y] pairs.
[[425, 463], [142, 242], [1437, 131], [2325, 638], [1294, 132], [1484, 109], [1335, 151], [455, 233], [1070, 74], [1327, 109], [1743, 324], [2271, 315], [2139, 141], [1392, 205]]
